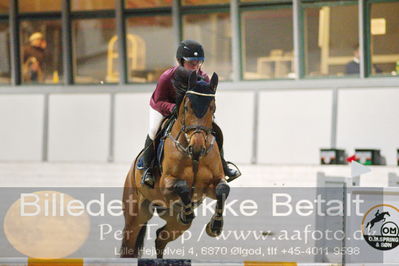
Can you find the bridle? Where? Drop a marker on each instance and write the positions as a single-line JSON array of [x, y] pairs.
[[205, 131]]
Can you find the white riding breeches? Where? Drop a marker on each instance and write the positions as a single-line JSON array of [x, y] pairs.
[[155, 122]]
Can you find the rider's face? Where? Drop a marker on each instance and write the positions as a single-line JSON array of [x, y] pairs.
[[193, 65]]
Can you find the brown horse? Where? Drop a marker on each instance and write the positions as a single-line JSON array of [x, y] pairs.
[[191, 170]]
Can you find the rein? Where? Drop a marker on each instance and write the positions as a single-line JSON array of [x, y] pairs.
[[187, 150]]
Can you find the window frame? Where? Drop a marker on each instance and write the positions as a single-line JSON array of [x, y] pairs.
[[205, 10], [367, 39], [5, 18], [177, 11], [19, 17], [281, 4], [143, 13], [303, 41]]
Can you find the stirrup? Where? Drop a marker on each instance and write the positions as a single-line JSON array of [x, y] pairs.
[[146, 180], [235, 176]]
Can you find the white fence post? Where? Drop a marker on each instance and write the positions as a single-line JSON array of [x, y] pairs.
[[332, 188], [393, 180]]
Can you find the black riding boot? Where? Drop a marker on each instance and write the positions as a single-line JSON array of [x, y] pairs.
[[148, 157], [231, 173]]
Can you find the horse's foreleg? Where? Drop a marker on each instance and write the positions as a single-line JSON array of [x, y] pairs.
[[131, 233], [136, 217], [215, 225], [169, 232], [181, 188]]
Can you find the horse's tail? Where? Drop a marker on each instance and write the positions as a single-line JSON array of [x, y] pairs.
[[140, 239]]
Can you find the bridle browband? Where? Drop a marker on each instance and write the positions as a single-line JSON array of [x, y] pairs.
[[197, 129], [201, 94]]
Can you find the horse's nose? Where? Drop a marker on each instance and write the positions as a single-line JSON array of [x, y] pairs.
[[195, 152]]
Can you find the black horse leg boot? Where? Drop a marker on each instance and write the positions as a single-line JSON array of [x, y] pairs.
[[231, 173], [148, 157]]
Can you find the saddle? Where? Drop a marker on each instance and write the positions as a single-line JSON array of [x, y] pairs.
[[162, 134]]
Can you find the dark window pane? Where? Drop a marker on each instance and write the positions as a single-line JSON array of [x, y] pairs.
[[147, 56], [147, 3], [27, 6], [265, 56], [204, 2], [4, 6], [385, 38], [92, 43], [87, 5], [213, 31], [331, 40], [4, 53], [41, 55], [268, 1]]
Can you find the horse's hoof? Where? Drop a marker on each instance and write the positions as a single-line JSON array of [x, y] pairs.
[[182, 221], [212, 233]]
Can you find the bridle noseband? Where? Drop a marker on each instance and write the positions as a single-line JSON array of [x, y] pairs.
[[205, 131]]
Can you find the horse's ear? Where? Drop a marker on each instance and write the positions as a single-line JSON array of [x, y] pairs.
[[214, 81], [192, 80]]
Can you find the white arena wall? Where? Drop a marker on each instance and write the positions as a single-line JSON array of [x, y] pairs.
[[263, 126], [64, 174]]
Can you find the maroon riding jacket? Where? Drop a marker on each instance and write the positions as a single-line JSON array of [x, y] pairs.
[[164, 97]]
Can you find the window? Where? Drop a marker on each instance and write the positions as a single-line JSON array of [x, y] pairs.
[[41, 51], [91, 5], [4, 6], [249, 1], [147, 4], [267, 44], [331, 40], [92, 38], [213, 31], [328, 32], [4, 52], [204, 2], [384, 38], [29, 6], [147, 56]]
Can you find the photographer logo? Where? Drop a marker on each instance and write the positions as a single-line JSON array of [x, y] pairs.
[[380, 227]]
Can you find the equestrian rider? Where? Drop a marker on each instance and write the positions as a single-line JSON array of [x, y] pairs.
[[189, 55]]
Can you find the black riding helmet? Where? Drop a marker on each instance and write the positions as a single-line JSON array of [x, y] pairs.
[[189, 50]]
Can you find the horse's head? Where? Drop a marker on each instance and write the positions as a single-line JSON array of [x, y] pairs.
[[196, 109]]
